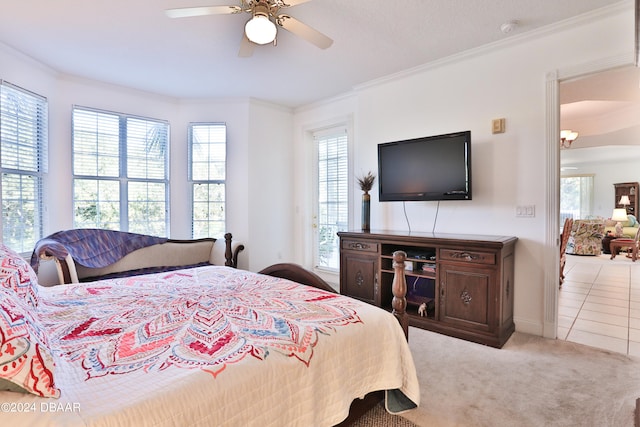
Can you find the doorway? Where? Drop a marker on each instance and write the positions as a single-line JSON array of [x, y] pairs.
[[598, 305]]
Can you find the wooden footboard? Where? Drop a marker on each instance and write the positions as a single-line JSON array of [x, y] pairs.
[[300, 274], [297, 274]]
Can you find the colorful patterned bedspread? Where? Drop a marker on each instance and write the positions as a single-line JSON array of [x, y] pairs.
[[212, 346], [198, 318]]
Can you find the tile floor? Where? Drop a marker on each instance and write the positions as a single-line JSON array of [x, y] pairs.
[[599, 303]]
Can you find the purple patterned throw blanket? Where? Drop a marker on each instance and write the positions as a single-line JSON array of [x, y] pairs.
[[91, 247]]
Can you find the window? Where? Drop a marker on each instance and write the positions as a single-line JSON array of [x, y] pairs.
[[120, 172], [23, 154], [207, 174], [332, 213], [576, 197]]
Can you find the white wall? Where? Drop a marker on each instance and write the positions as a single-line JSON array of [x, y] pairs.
[[270, 171], [258, 179], [466, 93]]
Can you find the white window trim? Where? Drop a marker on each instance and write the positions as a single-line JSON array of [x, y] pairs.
[[329, 274]]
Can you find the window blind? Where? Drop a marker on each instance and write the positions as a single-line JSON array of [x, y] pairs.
[[207, 176], [332, 199], [23, 163]]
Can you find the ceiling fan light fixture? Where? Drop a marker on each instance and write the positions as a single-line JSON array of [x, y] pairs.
[[260, 29]]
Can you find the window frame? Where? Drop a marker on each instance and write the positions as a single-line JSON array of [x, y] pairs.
[[123, 178], [193, 182], [315, 135], [585, 196]]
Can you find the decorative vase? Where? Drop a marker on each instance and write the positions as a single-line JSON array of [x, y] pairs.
[[366, 211]]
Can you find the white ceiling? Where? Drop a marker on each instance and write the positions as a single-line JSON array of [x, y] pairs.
[[601, 103], [134, 44], [605, 109]]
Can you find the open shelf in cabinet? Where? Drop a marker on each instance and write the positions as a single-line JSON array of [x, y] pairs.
[[420, 274], [421, 288], [421, 261]]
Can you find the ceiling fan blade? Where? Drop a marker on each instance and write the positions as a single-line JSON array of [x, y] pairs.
[[185, 12], [289, 3], [246, 47], [304, 31]]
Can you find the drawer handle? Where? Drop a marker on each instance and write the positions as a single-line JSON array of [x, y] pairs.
[[358, 245], [465, 256]]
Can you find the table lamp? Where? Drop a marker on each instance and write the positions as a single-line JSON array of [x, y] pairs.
[[619, 215], [624, 201]]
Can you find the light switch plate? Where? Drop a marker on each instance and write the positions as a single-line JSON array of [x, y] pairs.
[[526, 211], [498, 126]]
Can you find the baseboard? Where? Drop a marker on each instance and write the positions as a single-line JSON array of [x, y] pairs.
[[528, 327]]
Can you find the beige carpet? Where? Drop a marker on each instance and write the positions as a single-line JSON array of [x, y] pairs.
[[531, 381], [379, 417]]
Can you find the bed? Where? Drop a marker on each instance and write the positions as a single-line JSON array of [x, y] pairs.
[[203, 346]]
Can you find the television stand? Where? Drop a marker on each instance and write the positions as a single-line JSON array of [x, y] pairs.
[[464, 281]]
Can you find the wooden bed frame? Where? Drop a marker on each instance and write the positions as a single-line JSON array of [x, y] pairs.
[[299, 274]]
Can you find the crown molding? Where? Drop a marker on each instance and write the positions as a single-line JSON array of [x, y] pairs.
[[10, 50], [573, 22]]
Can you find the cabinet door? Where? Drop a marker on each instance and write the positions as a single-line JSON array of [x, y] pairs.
[[467, 297], [358, 276]]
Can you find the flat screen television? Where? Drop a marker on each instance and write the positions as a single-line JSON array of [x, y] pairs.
[[429, 168]]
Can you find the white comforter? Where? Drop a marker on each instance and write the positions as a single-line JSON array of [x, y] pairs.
[[211, 346]]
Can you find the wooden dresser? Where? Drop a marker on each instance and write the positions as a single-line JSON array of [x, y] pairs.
[[463, 282]]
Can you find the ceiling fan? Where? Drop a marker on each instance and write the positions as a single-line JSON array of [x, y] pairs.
[[261, 28]]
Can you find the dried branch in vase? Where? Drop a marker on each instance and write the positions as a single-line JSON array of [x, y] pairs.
[[366, 182]]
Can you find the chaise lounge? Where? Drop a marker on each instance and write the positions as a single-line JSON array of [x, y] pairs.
[[81, 255]]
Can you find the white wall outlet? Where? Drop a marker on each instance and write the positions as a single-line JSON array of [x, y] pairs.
[[526, 211]]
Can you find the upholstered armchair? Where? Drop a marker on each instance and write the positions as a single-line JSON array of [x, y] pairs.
[[564, 240], [586, 237]]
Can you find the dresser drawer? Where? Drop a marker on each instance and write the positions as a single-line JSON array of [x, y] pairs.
[[467, 256], [359, 245]]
